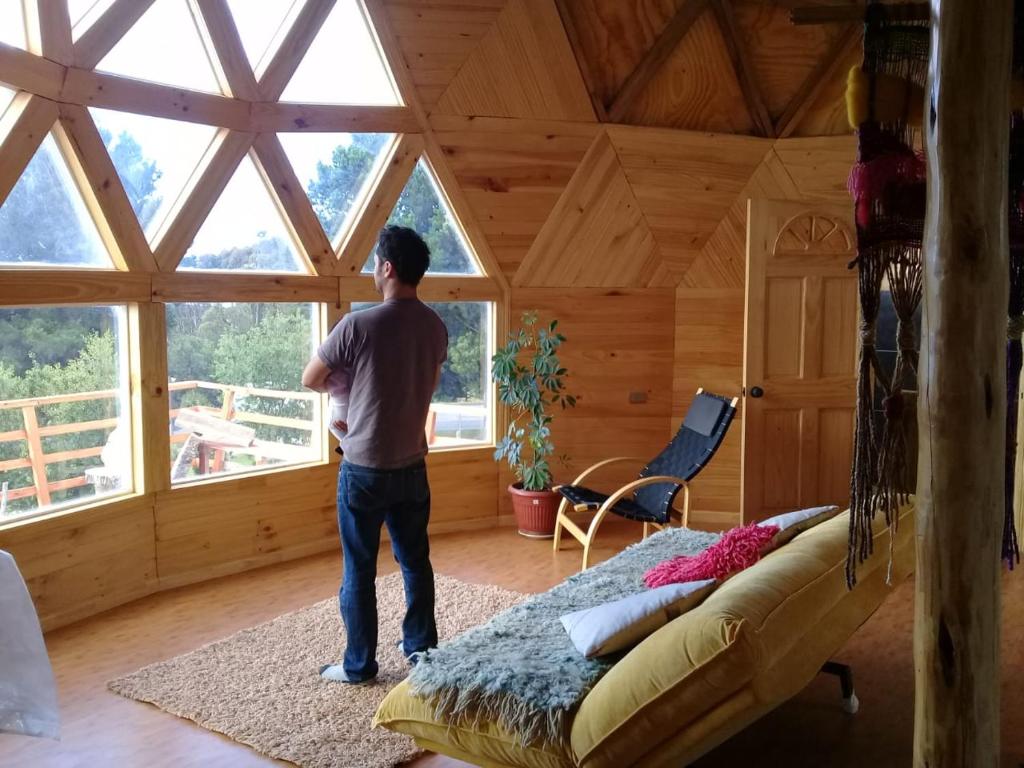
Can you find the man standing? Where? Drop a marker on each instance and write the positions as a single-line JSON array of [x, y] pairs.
[[393, 352]]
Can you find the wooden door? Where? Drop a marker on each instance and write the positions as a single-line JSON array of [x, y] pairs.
[[800, 357]]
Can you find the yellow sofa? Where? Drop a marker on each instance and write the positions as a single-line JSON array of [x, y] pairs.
[[753, 644]]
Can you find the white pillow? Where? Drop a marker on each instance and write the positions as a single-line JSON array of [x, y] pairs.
[[622, 623], [792, 523]]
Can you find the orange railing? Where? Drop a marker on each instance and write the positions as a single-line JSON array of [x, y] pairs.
[[38, 459]]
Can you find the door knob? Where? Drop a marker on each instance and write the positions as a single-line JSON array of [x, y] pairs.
[[756, 392]]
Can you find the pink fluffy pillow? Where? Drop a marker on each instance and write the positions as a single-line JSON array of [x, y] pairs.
[[738, 548]]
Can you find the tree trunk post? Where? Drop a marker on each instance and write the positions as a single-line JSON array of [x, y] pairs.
[[962, 402]]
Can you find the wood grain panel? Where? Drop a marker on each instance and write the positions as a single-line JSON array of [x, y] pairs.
[[835, 436], [436, 37], [696, 88], [596, 235], [819, 167], [618, 341], [523, 67], [80, 563], [784, 299], [781, 53], [614, 36], [685, 183], [512, 173]]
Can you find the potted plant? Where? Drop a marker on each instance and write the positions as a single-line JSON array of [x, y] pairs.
[[530, 382]]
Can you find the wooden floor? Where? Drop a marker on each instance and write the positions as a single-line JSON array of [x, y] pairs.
[[101, 729]]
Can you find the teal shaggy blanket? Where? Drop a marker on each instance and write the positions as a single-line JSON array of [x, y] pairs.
[[520, 668]]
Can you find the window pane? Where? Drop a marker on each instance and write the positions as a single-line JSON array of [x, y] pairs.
[[237, 402], [262, 26], [44, 222], [343, 46], [422, 207], [164, 47], [244, 231], [336, 170], [63, 383], [6, 97], [154, 158], [12, 23], [84, 13], [461, 406]]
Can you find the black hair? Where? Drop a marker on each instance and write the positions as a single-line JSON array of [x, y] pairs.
[[406, 250]]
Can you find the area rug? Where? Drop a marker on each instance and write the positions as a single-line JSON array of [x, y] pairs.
[[260, 686]]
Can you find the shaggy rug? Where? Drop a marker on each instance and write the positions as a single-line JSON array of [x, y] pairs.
[[520, 668], [260, 686]]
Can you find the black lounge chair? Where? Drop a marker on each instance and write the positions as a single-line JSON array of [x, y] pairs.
[[649, 499]]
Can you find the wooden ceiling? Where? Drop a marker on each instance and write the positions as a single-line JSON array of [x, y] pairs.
[[727, 66]]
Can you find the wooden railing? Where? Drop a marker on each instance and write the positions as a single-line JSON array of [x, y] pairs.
[[38, 459]]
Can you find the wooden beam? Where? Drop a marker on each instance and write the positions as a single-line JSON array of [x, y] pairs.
[[231, 63], [22, 129], [147, 371], [360, 288], [181, 225], [294, 46], [841, 14], [824, 73], [380, 23], [101, 37], [299, 214], [212, 286], [102, 190], [22, 70], [33, 287], [586, 72], [375, 210], [962, 404], [99, 89], [277, 117], [742, 66], [658, 54], [49, 30]]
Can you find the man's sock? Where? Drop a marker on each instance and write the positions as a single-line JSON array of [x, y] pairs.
[[335, 673]]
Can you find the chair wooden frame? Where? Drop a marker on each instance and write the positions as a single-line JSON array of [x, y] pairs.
[[587, 538]]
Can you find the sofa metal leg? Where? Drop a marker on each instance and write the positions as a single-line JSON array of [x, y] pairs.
[[845, 674]]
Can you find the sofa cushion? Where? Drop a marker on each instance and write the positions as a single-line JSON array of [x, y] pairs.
[[490, 744], [791, 524], [623, 623]]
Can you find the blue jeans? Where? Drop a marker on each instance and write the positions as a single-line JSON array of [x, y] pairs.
[[400, 499]]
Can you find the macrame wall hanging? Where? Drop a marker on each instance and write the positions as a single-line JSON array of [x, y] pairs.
[[885, 98], [885, 101]]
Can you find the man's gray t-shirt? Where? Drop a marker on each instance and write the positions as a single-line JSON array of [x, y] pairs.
[[393, 352]]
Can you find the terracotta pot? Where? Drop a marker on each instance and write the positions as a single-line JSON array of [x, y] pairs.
[[535, 511]]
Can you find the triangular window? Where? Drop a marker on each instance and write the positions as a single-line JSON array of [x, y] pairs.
[[84, 13], [244, 231], [154, 158], [164, 47], [6, 97], [44, 222], [337, 171], [424, 208], [262, 26], [12, 23], [344, 64]]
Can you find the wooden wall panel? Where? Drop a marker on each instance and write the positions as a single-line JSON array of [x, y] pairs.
[[436, 38], [83, 562], [685, 183], [512, 173], [618, 341], [827, 114], [523, 67], [696, 88], [596, 235]]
